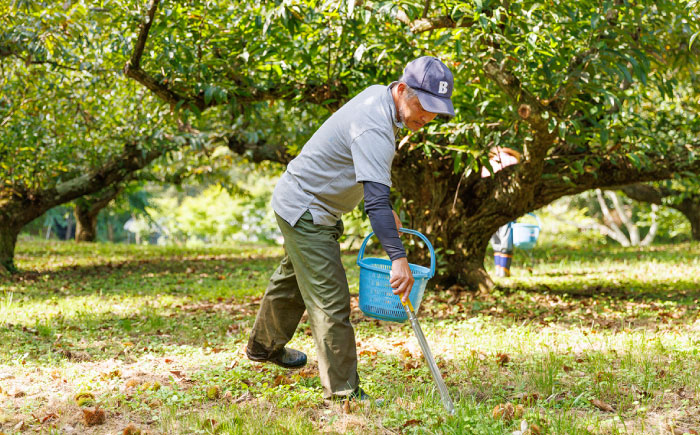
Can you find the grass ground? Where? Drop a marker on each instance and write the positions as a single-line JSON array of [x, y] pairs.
[[586, 340]]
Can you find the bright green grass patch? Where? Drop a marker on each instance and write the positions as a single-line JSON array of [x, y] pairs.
[[156, 335]]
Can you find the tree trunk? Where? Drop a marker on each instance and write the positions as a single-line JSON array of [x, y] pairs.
[[88, 208], [692, 212], [86, 225], [428, 194], [8, 240]]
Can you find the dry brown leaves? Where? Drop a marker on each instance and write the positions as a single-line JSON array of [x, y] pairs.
[[46, 418], [131, 430], [602, 405], [93, 416], [507, 411], [502, 359]]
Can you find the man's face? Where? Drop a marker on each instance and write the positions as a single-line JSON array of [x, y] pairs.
[[411, 113]]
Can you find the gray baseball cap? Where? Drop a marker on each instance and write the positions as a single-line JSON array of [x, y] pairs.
[[433, 82]]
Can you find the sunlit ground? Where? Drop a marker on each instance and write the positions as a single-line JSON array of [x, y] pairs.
[[586, 340]]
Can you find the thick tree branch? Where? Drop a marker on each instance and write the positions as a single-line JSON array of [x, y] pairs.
[[27, 205], [90, 205], [644, 193], [139, 47], [611, 174], [259, 152], [133, 70], [331, 94], [577, 66], [530, 110]]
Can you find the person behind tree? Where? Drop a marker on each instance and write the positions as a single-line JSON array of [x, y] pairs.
[[502, 239]]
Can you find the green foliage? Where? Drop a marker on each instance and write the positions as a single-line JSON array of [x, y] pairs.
[[214, 215]]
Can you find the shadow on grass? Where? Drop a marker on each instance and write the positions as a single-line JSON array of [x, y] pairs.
[[167, 275]]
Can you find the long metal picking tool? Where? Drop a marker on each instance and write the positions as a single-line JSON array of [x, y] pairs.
[[437, 376], [378, 300]]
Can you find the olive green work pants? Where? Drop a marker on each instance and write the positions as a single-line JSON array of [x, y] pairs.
[[311, 276]]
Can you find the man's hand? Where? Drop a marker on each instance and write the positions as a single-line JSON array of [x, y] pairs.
[[401, 278]]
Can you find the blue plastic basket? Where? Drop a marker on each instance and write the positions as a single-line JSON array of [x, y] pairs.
[[525, 235], [376, 298]]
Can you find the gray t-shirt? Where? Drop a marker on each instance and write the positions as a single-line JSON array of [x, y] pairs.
[[356, 144]]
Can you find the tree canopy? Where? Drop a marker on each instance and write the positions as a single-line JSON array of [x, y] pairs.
[[595, 94]]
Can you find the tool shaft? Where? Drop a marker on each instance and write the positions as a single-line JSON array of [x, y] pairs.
[[437, 376]]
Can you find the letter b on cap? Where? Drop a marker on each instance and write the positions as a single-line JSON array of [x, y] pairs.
[[443, 87]]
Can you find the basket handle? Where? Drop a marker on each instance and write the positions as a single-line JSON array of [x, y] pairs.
[[361, 254], [539, 224]]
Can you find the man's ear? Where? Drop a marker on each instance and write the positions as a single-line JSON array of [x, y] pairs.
[[400, 88]]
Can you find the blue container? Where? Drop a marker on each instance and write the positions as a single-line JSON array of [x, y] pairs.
[[525, 235], [376, 297]]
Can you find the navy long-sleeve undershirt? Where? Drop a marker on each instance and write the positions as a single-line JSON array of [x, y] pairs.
[[378, 208]]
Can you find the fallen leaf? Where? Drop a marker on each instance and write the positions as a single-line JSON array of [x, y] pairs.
[[131, 430], [412, 422], [282, 380], [19, 426], [479, 355], [150, 386], [601, 405], [411, 365], [168, 360], [45, 418], [504, 411], [131, 383], [346, 406], [217, 349], [308, 372], [527, 398], [93, 416], [177, 373], [503, 359]]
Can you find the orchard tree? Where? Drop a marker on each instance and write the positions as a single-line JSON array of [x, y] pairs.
[[589, 92], [72, 124]]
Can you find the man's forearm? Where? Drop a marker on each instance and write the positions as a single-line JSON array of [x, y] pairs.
[[381, 217]]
